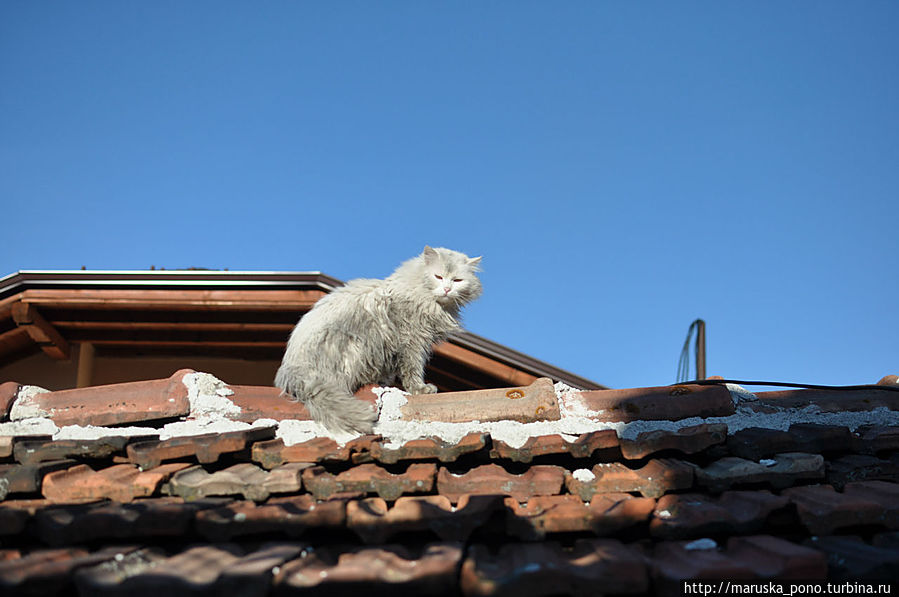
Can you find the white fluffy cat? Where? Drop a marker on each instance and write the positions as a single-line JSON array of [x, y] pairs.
[[373, 331]]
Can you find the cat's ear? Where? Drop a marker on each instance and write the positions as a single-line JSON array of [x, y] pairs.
[[475, 263], [430, 255]]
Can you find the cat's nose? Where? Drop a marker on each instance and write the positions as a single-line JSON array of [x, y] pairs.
[[446, 289]]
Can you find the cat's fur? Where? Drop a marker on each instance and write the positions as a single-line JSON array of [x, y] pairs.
[[373, 331]]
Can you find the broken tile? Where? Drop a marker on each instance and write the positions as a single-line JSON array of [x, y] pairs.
[[274, 453], [22, 478], [120, 483], [49, 571], [115, 404], [860, 467], [245, 479], [32, 451], [370, 478], [823, 510], [832, 401], [693, 515], [781, 470], [525, 569], [536, 402], [670, 403], [8, 392], [430, 448], [755, 443], [375, 522], [142, 518], [583, 447], [287, 516], [688, 440], [206, 448], [604, 515], [850, 558], [386, 570], [492, 479], [655, 479]]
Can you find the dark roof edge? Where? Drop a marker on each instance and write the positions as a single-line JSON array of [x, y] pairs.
[[23, 280], [522, 361]]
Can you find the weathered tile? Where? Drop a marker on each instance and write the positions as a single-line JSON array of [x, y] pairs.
[[142, 518], [288, 516], [492, 479], [6, 446], [272, 453], [253, 574], [375, 522], [851, 559], [370, 478], [860, 467], [526, 569], [693, 515], [16, 514], [33, 451], [583, 447], [773, 558], [536, 402], [604, 515], [882, 493], [206, 448], [120, 483], [653, 480], [49, 571], [245, 479], [756, 443], [430, 448], [267, 402], [386, 570], [688, 440], [823, 510], [673, 562], [22, 478], [872, 439], [670, 403], [779, 471], [8, 392], [115, 404], [111, 578], [833, 400]]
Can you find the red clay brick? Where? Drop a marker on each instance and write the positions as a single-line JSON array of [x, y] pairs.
[[655, 479], [8, 392], [688, 440], [605, 515], [245, 479], [292, 516], [526, 569], [375, 522], [206, 448], [370, 478], [785, 472], [393, 569], [120, 483], [274, 453], [492, 479], [536, 402], [430, 449], [692, 515], [670, 403], [833, 400], [117, 404], [583, 447], [822, 510], [770, 557]]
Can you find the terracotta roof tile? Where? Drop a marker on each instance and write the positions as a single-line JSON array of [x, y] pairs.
[[205, 448], [653, 480], [885, 495], [122, 482], [492, 479], [585, 446], [771, 557], [604, 515], [245, 479], [688, 440], [693, 515], [536, 402], [430, 449], [395, 570], [860, 467], [16, 514], [872, 439], [653, 404], [756, 443], [850, 558], [32, 451], [274, 453], [823, 510], [526, 569], [288, 516], [370, 478], [6, 446], [117, 404], [49, 571], [27, 478], [8, 392], [833, 400], [375, 522], [781, 470]]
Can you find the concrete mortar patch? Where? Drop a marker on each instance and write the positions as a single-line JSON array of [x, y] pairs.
[[208, 396], [25, 406]]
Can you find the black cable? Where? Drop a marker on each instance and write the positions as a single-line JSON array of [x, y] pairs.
[[712, 382]]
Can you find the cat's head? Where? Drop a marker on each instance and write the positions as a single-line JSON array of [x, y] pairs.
[[450, 276]]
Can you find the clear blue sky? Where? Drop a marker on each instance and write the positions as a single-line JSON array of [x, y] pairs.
[[622, 167]]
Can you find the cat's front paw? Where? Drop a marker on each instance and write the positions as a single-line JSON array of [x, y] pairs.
[[427, 388]]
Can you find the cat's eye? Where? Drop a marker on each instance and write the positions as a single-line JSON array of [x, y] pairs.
[[438, 277], [457, 280]]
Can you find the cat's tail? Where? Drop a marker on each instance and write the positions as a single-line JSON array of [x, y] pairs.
[[329, 404]]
